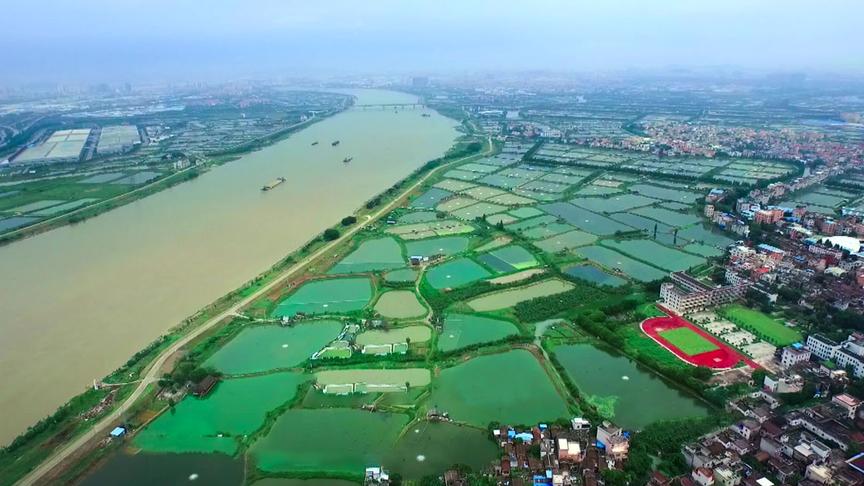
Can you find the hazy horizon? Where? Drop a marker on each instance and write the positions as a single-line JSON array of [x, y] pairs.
[[99, 40]]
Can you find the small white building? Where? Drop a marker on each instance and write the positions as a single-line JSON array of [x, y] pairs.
[[793, 355]]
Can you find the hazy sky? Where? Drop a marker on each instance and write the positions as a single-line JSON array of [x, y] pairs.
[[62, 40]]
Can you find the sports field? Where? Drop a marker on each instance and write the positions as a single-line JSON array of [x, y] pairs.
[[688, 341], [761, 324], [691, 344]]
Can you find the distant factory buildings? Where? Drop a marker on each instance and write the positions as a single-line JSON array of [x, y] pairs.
[[68, 145], [117, 139], [61, 146]]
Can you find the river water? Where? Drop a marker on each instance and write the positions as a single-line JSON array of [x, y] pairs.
[[78, 301]]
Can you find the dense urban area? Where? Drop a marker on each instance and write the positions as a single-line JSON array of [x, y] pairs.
[[635, 279]]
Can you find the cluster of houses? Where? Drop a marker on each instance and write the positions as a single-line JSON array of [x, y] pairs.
[[827, 268], [778, 190], [845, 355], [774, 442], [756, 207], [558, 455], [809, 446], [798, 220]]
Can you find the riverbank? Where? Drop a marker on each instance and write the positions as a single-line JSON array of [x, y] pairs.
[[198, 326], [209, 162], [121, 279]]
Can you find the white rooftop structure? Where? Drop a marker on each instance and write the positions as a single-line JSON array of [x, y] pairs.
[[62, 145], [852, 244], [118, 138]]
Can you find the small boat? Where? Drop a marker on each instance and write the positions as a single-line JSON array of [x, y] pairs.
[[272, 184], [347, 159], [425, 115], [335, 143], [315, 143]]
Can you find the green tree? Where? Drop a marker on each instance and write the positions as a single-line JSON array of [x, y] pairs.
[[330, 234]]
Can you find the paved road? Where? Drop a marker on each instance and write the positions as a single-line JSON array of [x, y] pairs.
[[153, 373]]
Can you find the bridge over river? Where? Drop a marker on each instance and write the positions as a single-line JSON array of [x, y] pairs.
[[385, 106]]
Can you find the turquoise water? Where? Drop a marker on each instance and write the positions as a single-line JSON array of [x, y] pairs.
[[327, 296], [510, 388], [377, 254], [146, 469], [594, 275], [234, 409], [455, 273], [447, 245], [631, 395], [462, 330], [264, 348]]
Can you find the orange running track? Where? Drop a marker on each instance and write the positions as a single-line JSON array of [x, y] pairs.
[[722, 358]]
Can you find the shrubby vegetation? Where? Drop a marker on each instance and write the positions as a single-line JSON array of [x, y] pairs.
[[550, 306], [511, 339], [330, 234], [185, 373]]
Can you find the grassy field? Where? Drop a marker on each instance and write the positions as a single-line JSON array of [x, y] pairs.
[[762, 325], [688, 340]]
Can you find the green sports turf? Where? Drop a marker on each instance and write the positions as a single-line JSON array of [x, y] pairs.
[[688, 341], [763, 325]]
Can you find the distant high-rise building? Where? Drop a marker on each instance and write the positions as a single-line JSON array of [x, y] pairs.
[[419, 81]]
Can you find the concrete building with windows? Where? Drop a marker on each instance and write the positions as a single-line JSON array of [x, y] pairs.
[[846, 355], [685, 294], [793, 355], [821, 346]]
